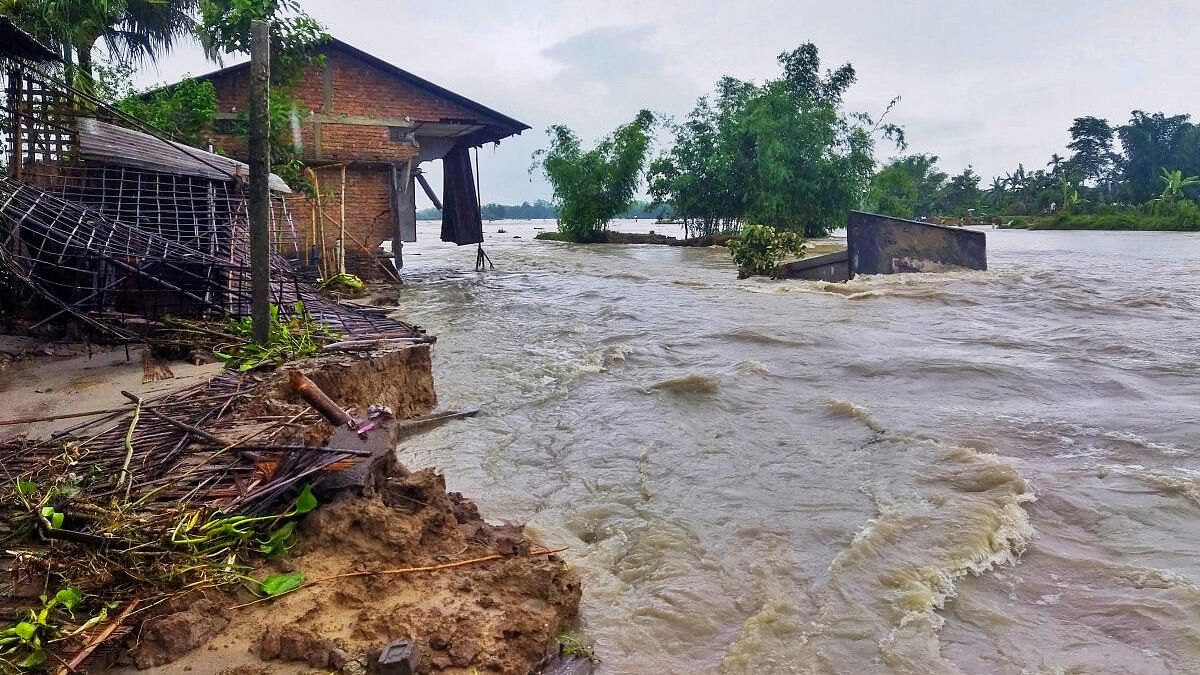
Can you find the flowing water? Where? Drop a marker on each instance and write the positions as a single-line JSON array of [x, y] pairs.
[[974, 472]]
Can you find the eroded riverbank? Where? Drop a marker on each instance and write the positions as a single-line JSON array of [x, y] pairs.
[[765, 476]]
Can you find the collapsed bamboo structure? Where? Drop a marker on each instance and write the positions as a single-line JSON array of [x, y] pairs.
[[108, 227]]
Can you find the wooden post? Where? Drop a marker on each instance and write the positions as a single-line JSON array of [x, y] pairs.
[[342, 234], [14, 107], [260, 171], [405, 212]]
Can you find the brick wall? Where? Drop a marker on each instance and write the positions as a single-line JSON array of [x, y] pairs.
[[352, 88], [368, 209], [345, 86]]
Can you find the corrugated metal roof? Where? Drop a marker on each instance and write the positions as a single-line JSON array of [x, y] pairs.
[[16, 43], [111, 144]]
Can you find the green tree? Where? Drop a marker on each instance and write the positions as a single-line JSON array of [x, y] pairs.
[[1151, 143], [908, 187], [592, 187], [226, 26], [131, 30], [783, 153], [1174, 185], [1092, 148], [703, 176], [961, 194]]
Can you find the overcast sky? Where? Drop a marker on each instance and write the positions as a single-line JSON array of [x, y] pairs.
[[984, 83]]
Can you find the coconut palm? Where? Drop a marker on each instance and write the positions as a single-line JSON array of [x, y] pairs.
[[1056, 162], [131, 30], [996, 193]]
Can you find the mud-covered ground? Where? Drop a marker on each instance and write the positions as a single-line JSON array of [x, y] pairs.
[[496, 616]]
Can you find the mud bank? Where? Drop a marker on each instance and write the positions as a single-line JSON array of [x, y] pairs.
[[500, 615], [389, 555], [480, 597]]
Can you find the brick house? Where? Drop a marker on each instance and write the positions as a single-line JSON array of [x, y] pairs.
[[364, 127]]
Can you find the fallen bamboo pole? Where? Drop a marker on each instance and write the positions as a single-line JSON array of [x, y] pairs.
[[63, 416], [196, 431], [80, 658], [310, 392]]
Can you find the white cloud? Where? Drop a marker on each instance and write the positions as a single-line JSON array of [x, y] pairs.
[[986, 83]]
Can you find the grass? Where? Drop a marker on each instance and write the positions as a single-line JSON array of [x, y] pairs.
[[1182, 216]]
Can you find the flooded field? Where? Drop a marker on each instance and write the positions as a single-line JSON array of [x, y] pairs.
[[979, 472]]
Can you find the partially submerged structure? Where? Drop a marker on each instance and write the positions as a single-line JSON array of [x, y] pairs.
[[363, 128], [884, 245]]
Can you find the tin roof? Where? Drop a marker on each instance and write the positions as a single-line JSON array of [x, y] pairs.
[[111, 144]]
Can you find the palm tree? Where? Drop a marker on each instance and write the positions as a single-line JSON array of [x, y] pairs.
[[1055, 163], [131, 30], [995, 193]]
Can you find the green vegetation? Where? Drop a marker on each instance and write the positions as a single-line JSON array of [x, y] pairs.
[[572, 646], [225, 24], [761, 248], [233, 342], [23, 645], [593, 187], [130, 30], [184, 111], [344, 284], [1141, 176], [783, 153], [1183, 216], [162, 551]]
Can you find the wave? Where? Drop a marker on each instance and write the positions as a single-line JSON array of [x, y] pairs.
[[851, 410], [691, 384], [884, 591], [753, 336]]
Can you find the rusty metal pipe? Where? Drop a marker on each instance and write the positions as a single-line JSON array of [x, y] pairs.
[[310, 392]]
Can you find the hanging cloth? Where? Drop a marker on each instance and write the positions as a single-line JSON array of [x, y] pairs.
[[461, 222]]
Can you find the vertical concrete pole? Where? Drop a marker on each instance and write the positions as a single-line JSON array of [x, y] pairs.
[[260, 169]]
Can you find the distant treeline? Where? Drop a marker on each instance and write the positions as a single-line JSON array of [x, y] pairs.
[[544, 210], [1139, 175]]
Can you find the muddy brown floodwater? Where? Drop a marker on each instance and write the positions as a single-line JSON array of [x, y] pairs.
[[979, 472]]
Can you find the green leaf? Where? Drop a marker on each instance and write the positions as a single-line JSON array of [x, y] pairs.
[[34, 660], [282, 583], [24, 630], [55, 518], [68, 598], [26, 488], [306, 501]]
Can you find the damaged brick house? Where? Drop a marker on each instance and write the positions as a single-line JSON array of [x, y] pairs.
[[364, 127]]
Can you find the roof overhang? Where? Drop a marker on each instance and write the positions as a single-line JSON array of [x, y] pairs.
[[16, 43]]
